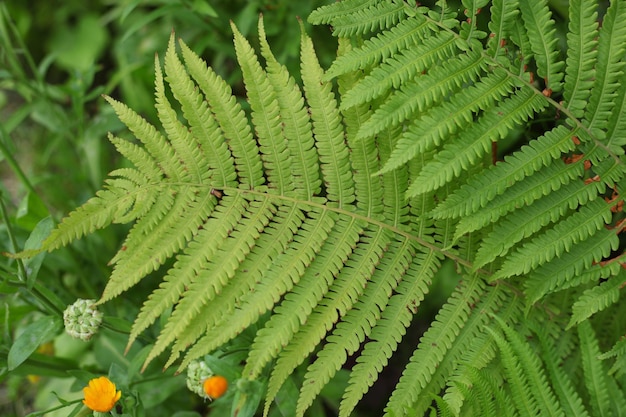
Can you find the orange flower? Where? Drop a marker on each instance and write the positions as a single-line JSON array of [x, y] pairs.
[[100, 394], [215, 386]]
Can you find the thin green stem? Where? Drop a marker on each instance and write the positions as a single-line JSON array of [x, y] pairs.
[[21, 271]]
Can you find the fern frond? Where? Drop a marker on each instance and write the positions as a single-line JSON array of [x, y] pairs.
[[414, 98], [476, 356], [407, 34], [596, 377], [430, 129], [196, 156], [210, 281], [296, 124], [348, 287], [528, 383], [581, 52], [577, 227], [330, 142], [295, 309], [458, 156], [563, 385], [543, 41], [609, 67], [146, 164], [377, 16], [152, 140], [459, 320], [199, 251], [358, 16], [159, 242], [597, 298], [265, 117], [396, 317], [364, 157], [486, 395], [286, 270], [231, 119], [618, 351], [482, 189], [271, 243], [503, 14], [324, 15], [513, 228], [469, 30], [577, 267], [357, 324], [395, 71], [395, 183], [324, 224]]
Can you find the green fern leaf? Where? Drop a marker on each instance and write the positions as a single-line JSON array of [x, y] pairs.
[[356, 16], [330, 142], [543, 41], [287, 270], [459, 156], [597, 299], [377, 16], [483, 188], [596, 377], [324, 225], [199, 157], [581, 52], [415, 98], [265, 117], [407, 34], [609, 66], [476, 355], [503, 14], [359, 321], [528, 383], [199, 251], [563, 385], [298, 304], [456, 114], [577, 227], [577, 267], [296, 124], [270, 244], [210, 281], [512, 229], [394, 71], [395, 318], [348, 287], [231, 120], [442, 345]]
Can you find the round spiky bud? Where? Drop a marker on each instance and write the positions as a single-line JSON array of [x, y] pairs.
[[197, 373], [82, 319]]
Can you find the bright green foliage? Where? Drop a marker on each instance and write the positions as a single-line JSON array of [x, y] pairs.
[[324, 214]]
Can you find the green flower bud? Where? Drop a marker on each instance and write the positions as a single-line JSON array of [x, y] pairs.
[[82, 319], [197, 373]]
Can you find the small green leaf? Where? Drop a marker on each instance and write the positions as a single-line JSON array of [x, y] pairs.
[[39, 234], [31, 337], [31, 211], [247, 398]]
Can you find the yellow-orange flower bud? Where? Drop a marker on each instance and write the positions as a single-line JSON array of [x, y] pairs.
[[100, 394], [215, 386]]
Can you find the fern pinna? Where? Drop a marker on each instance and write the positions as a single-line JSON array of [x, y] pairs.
[[469, 136]]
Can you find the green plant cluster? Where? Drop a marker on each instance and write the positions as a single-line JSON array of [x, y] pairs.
[[297, 232]]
